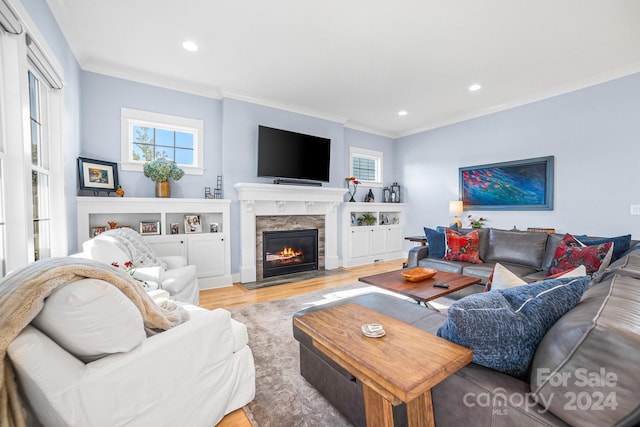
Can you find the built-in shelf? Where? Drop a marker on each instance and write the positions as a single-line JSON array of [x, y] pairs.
[[208, 251]]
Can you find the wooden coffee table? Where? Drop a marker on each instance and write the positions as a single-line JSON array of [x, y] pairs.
[[401, 366], [422, 291]]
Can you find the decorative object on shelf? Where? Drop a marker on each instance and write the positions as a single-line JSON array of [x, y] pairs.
[[217, 192], [386, 195], [97, 175], [175, 228], [160, 170], [476, 223], [354, 221], [97, 230], [192, 224], [352, 181], [120, 191], [456, 207], [214, 227], [370, 198], [395, 193], [112, 224], [149, 227], [368, 219], [517, 185], [207, 193]]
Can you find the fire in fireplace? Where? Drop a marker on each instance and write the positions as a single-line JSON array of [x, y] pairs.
[[289, 251]]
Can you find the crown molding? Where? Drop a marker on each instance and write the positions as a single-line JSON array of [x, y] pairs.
[[287, 107], [369, 129], [557, 91], [152, 79]]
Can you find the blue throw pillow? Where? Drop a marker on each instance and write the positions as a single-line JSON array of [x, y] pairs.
[[437, 242], [503, 328], [621, 244]]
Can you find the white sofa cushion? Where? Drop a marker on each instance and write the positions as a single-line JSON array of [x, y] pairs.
[[91, 318], [240, 335], [106, 250]]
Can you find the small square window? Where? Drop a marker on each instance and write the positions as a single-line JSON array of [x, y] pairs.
[[366, 166]]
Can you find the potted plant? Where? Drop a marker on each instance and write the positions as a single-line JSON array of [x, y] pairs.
[[368, 219], [160, 170]]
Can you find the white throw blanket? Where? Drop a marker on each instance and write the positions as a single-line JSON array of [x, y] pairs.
[[22, 295]]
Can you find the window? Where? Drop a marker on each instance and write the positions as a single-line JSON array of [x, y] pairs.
[[39, 169], [147, 136], [33, 222], [366, 166]]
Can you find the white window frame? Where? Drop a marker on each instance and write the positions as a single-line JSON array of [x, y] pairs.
[[15, 49], [130, 118], [377, 156]]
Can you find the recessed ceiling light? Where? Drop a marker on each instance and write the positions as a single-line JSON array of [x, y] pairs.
[[474, 87], [190, 46], [402, 113]]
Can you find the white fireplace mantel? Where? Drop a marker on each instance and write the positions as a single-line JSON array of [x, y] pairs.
[[276, 199]]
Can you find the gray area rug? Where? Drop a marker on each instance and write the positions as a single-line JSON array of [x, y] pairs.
[[283, 397]]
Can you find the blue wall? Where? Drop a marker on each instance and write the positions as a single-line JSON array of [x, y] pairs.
[[102, 98], [593, 134]]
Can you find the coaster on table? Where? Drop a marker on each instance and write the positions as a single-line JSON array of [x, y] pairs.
[[373, 330]]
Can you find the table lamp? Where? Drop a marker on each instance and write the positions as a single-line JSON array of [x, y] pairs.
[[456, 208]]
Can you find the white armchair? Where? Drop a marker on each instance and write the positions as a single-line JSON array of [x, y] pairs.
[[86, 361], [171, 273]]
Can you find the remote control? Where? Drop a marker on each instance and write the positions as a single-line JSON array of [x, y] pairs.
[[441, 285]]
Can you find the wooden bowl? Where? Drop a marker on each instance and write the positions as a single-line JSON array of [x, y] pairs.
[[418, 273]]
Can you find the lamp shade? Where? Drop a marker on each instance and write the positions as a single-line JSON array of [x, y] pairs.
[[456, 207]]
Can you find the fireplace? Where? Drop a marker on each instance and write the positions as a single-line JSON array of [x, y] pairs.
[[289, 251]]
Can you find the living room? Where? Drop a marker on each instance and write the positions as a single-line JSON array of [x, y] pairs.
[[587, 121]]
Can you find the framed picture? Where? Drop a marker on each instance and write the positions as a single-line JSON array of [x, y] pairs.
[[97, 230], [192, 224], [175, 228], [213, 227], [518, 185], [97, 175], [149, 227]]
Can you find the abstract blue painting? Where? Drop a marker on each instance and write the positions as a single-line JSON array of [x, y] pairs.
[[518, 185]]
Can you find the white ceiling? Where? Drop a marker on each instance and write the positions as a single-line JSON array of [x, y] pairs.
[[361, 61]]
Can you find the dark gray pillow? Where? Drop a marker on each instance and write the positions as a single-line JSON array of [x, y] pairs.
[[504, 327]]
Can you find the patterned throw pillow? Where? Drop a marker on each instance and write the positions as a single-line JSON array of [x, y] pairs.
[[570, 254], [462, 247], [621, 244], [504, 328]]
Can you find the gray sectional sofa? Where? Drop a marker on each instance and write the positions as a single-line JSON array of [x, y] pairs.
[[526, 254], [584, 371]]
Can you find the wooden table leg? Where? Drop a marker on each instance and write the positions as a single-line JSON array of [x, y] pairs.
[[420, 411], [378, 410]]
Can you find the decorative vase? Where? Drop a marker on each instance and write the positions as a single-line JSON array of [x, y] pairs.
[[353, 194], [163, 189]]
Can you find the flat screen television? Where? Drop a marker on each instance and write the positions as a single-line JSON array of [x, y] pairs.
[[293, 156]]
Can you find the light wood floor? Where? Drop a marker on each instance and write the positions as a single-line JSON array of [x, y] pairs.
[[237, 295]]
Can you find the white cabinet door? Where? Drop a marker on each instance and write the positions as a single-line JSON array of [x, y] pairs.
[[360, 240], [378, 241], [206, 252], [394, 239], [168, 245]]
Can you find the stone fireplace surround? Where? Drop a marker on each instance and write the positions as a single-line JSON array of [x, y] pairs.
[[268, 200]]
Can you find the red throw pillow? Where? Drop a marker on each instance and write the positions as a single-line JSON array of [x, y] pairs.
[[570, 254], [462, 247]]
